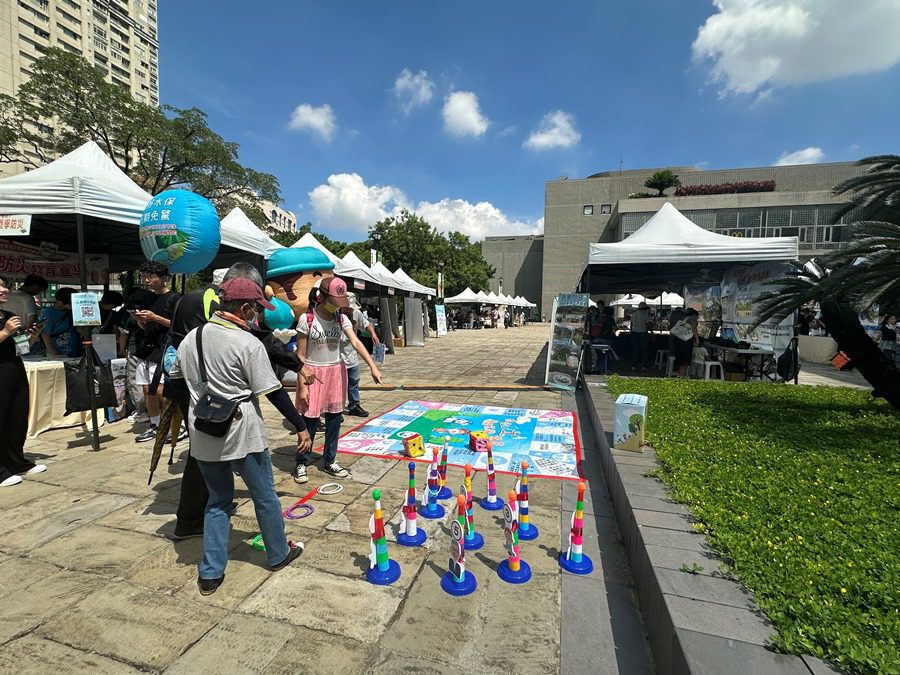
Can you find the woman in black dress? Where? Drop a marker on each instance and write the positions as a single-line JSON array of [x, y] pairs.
[[13, 398]]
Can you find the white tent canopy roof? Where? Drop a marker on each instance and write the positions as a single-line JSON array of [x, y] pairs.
[[356, 269], [467, 295], [386, 278], [634, 299], [481, 296], [403, 277], [671, 237], [84, 181], [238, 231]]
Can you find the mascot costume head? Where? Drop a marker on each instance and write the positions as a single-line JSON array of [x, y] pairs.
[[292, 272]]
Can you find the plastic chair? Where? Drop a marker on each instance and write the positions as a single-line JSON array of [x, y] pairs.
[[670, 366], [709, 366], [661, 356]]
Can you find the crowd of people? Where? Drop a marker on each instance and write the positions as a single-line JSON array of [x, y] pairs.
[[485, 317], [162, 335]]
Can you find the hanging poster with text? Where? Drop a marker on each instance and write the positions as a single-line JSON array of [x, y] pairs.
[[566, 334], [706, 298], [440, 315], [546, 438], [19, 260], [741, 286]]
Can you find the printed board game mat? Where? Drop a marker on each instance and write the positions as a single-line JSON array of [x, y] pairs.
[[548, 439]]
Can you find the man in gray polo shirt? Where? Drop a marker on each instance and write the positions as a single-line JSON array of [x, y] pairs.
[[237, 368]]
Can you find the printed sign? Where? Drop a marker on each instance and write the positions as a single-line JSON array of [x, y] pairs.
[[740, 288], [15, 226], [18, 260], [440, 314], [566, 334], [85, 309]]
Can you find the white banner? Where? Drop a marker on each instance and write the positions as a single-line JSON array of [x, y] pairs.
[[15, 225], [441, 317], [566, 334], [740, 288], [19, 260]]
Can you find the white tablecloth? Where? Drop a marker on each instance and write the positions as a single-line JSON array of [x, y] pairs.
[[47, 392]]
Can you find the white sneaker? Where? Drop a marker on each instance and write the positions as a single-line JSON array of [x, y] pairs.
[[139, 418], [37, 468], [12, 480]]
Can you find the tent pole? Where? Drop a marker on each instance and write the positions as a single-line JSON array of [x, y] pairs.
[[86, 337]]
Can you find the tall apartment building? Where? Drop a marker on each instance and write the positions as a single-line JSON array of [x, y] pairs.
[[118, 36]]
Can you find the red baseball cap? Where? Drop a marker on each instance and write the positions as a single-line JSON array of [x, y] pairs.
[[240, 288], [336, 291]]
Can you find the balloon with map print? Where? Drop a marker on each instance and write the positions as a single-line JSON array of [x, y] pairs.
[[180, 229]]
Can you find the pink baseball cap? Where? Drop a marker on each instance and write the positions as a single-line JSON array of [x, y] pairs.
[[336, 291]]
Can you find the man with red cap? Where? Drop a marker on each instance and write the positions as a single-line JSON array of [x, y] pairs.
[[236, 367]]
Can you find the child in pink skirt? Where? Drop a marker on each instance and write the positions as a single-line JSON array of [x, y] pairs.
[[319, 348]]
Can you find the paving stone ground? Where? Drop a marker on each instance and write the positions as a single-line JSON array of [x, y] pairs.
[[89, 583]]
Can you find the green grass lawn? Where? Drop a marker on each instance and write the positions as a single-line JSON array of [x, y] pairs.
[[798, 489]]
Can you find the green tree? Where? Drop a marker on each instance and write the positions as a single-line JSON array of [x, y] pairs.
[[410, 242], [67, 102], [662, 181], [855, 278]]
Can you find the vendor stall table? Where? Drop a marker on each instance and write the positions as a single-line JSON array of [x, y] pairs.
[[755, 360], [817, 349], [47, 393]]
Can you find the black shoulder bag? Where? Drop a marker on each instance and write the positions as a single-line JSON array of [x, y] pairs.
[[212, 413]]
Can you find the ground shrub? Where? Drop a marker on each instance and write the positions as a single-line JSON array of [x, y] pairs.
[[799, 489]]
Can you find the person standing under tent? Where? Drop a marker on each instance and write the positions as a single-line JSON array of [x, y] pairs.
[[351, 358], [58, 334], [21, 301], [14, 395], [319, 334], [155, 323], [684, 348], [640, 327]]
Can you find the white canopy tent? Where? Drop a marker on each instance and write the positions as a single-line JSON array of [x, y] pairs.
[[669, 250], [482, 297], [238, 231], [356, 269], [492, 298], [386, 278], [403, 277], [467, 296], [633, 300]]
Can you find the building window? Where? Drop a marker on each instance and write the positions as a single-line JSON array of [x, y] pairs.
[[587, 210], [605, 209]]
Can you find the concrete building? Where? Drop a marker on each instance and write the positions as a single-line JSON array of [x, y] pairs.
[[598, 208], [118, 36], [280, 220], [519, 262]]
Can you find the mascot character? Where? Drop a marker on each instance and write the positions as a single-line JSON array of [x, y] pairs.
[[291, 274]]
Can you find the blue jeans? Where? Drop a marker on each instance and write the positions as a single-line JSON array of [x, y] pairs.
[[256, 470], [332, 432], [353, 387]]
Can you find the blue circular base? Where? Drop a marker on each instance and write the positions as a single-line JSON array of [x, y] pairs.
[[445, 493], [510, 577], [433, 515], [389, 576], [466, 586], [405, 540], [475, 543], [488, 506], [529, 534], [584, 567]]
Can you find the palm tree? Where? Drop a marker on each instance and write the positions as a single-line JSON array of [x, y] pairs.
[[662, 181], [876, 194]]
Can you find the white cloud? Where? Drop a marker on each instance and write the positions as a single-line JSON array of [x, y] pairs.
[[462, 115], [811, 155], [319, 120], [413, 91], [756, 44], [346, 203], [556, 130]]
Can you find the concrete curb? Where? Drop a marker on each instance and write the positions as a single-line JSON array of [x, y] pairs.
[[698, 621]]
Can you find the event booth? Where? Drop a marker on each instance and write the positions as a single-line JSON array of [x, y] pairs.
[[718, 275]]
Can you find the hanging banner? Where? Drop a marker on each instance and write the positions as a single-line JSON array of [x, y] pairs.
[[19, 260], [706, 298], [566, 333], [15, 226], [740, 288], [413, 324], [441, 316]]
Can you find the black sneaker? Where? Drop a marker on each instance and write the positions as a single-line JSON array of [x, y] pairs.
[[300, 474], [294, 551], [148, 435], [358, 411], [186, 534], [209, 586], [336, 470]]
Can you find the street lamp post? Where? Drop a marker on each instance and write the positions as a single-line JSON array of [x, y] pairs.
[[440, 280], [500, 292]]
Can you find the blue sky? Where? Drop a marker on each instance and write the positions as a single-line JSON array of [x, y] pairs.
[[460, 111]]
